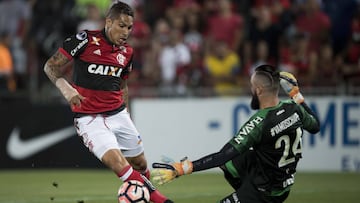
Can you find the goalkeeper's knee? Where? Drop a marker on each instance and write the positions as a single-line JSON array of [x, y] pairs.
[[234, 182]]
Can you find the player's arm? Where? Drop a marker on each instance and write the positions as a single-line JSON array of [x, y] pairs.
[[52, 68], [310, 119], [217, 159], [166, 172], [290, 85]]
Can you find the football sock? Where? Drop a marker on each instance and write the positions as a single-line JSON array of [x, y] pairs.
[[125, 174], [128, 173], [157, 197]]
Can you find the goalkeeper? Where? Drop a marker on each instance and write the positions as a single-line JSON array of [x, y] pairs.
[[260, 161]]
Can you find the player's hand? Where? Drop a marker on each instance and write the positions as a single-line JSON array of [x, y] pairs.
[[70, 93], [290, 85], [169, 170]]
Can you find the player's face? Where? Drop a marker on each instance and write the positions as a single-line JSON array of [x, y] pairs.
[[118, 30]]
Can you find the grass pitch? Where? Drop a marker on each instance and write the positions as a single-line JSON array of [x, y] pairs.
[[100, 186]]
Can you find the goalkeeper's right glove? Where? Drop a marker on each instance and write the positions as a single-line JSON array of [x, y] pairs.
[[289, 84], [166, 172]]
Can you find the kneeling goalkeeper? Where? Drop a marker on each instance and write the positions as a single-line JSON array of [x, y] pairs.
[[260, 161]]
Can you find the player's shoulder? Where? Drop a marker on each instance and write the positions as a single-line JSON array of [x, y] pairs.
[[287, 101], [126, 49], [76, 43], [93, 32], [81, 36], [288, 104]]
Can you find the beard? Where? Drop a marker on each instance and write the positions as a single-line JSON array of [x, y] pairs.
[[255, 104]]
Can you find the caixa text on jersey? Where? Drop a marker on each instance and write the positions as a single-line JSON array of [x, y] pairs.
[[105, 70]]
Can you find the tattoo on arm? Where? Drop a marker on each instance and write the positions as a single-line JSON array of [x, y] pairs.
[[53, 66]]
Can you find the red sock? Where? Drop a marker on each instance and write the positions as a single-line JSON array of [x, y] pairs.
[[157, 197], [128, 173]]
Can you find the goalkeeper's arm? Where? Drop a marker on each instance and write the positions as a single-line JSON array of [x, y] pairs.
[[227, 153], [166, 172], [290, 85]]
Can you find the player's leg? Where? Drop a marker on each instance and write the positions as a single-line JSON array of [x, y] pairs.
[[130, 143], [114, 160], [101, 141], [232, 179], [247, 193], [139, 163], [236, 169], [280, 198]]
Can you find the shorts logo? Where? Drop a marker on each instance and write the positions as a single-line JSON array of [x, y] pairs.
[[140, 140]]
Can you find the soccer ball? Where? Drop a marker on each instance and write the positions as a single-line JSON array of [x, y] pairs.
[[133, 191]]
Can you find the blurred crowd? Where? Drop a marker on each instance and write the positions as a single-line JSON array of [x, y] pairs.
[[192, 47]]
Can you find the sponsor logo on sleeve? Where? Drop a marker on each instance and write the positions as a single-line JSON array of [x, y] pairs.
[[78, 47]]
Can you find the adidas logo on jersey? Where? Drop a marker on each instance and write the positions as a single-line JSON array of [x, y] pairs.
[[105, 70], [97, 52]]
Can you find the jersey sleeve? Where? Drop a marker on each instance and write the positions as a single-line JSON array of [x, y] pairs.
[[74, 45], [249, 134], [310, 122]]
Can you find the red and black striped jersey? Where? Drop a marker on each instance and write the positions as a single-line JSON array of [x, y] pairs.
[[98, 71]]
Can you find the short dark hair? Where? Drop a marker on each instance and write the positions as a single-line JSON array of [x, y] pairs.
[[119, 8], [271, 74]]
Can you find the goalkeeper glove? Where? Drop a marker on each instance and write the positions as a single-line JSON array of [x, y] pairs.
[[169, 170], [289, 84]]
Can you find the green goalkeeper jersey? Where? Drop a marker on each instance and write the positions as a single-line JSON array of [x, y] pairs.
[[274, 135]]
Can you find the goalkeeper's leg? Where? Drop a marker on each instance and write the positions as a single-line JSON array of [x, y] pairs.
[[247, 193], [236, 169], [235, 182]]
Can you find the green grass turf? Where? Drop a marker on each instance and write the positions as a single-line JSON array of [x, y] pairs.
[[100, 186]]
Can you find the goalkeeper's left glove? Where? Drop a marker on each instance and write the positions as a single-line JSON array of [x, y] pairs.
[[169, 170], [290, 85]]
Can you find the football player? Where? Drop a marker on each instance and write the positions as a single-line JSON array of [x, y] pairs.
[[260, 161], [98, 95]]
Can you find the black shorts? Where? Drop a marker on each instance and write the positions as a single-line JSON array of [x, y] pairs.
[[249, 181]]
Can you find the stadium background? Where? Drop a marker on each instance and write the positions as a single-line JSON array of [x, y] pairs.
[[181, 104]]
